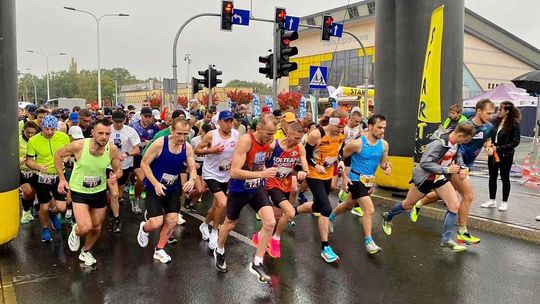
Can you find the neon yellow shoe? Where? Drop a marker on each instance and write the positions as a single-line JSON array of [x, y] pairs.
[[386, 224], [453, 245], [467, 238], [316, 214], [415, 211], [357, 211], [343, 196]]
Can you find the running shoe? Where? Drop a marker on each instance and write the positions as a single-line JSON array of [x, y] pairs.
[[302, 198], [181, 220], [372, 248], [219, 260], [357, 211], [26, 217], [69, 213], [203, 228], [415, 211], [257, 217], [142, 237], [386, 224], [135, 206], [162, 256], [331, 226], [145, 215], [274, 248], [453, 245], [538, 218], [55, 222], [255, 239], [87, 258], [213, 239], [116, 226], [291, 224], [131, 191], [46, 235], [260, 272], [316, 214], [489, 204], [467, 238], [329, 255], [343, 195], [74, 241], [143, 195], [172, 240], [503, 206]]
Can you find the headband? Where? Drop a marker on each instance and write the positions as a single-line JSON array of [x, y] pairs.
[[338, 121]]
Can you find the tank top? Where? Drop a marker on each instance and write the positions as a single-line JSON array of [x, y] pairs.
[[89, 172], [218, 166], [365, 163], [326, 155], [167, 166], [255, 160], [285, 161]]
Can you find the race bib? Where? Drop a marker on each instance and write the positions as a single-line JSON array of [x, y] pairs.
[[253, 183], [168, 179], [27, 174], [367, 180], [91, 181], [329, 162], [225, 165], [46, 179], [283, 172]]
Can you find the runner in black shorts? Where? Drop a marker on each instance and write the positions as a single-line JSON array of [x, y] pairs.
[[26, 174]]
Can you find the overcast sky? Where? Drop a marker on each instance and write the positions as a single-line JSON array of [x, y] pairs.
[[142, 43]]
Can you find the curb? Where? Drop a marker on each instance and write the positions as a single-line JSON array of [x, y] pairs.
[[480, 223]]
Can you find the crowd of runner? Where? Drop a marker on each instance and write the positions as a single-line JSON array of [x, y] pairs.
[[76, 165]]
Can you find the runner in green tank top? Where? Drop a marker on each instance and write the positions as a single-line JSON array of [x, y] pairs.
[[88, 185]]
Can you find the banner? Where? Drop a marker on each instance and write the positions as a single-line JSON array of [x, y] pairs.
[[256, 106], [314, 108], [269, 102], [302, 111], [429, 107]]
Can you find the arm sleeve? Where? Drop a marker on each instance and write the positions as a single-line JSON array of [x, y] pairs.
[[310, 150], [430, 156]]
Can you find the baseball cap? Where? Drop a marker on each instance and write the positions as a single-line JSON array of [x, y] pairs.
[[356, 109], [49, 122], [74, 117], [226, 115], [277, 112], [118, 115], [146, 111], [76, 132], [107, 111], [266, 109], [156, 114], [31, 109], [289, 117], [238, 116]]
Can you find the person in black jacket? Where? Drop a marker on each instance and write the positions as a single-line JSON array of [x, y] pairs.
[[501, 156]]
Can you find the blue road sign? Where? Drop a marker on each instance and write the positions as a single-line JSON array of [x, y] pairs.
[[292, 23], [317, 77], [240, 17], [337, 30]]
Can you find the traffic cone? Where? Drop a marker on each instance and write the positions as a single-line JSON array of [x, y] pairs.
[[527, 162]]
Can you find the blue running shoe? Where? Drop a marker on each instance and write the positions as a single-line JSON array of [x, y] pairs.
[[46, 235], [55, 222], [302, 198], [329, 255]]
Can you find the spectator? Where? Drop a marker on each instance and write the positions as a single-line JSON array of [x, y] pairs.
[[454, 117]]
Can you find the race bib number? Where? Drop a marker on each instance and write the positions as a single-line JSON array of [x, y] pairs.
[[367, 180], [27, 174], [46, 179], [329, 162], [253, 183], [91, 181], [283, 172], [225, 165], [168, 179]]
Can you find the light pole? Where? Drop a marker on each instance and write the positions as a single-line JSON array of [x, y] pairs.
[[33, 83], [187, 58], [98, 19], [47, 61]]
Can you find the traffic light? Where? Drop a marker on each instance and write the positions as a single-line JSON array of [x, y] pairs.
[[285, 52], [213, 77], [226, 15], [281, 13], [327, 27], [196, 85], [268, 69]]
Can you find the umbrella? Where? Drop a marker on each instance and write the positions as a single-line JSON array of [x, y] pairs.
[[529, 81]]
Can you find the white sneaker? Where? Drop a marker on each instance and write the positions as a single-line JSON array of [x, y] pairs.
[[203, 228], [503, 206], [372, 248], [142, 237], [213, 240], [181, 220], [162, 256], [69, 213], [490, 204], [87, 258], [538, 218], [74, 241], [26, 217]]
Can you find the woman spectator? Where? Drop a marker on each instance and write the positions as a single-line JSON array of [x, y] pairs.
[[501, 153]]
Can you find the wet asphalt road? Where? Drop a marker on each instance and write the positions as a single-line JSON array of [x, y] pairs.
[[411, 269]]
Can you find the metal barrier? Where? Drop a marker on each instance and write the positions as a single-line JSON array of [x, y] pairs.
[[526, 160]]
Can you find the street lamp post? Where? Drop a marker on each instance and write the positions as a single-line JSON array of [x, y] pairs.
[[47, 62], [98, 19]]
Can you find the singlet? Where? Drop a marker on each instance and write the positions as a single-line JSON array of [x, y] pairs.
[[470, 150], [351, 133], [194, 143], [167, 166], [366, 162], [218, 166], [23, 146], [145, 133], [326, 155], [43, 149], [89, 172], [255, 160], [285, 161], [445, 161]]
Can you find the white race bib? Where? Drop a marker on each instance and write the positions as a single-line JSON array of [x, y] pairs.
[[283, 172], [46, 179], [225, 165], [253, 183], [367, 180], [91, 181], [27, 174], [168, 179]]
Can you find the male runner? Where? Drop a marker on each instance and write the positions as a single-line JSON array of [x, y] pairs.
[[469, 151], [162, 164], [218, 146], [367, 153], [40, 157], [353, 131], [88, 185], [246, 186], [25, 184], [440, 160]]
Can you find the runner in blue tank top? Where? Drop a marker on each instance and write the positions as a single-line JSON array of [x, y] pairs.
[[367, 154], [162, 164]]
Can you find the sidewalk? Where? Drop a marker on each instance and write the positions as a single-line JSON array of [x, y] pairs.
[[519, 221]]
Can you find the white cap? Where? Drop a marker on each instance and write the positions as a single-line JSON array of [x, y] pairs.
[[215, 120], [156, 114], [76, 132], [356, 109]]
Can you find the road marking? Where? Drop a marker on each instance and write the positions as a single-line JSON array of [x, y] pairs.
[[234, 234], [6, 282]]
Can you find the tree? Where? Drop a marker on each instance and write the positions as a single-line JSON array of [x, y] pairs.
[[258, 87]]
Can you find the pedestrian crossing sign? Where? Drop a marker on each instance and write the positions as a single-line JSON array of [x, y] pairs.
[[318, 76]]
